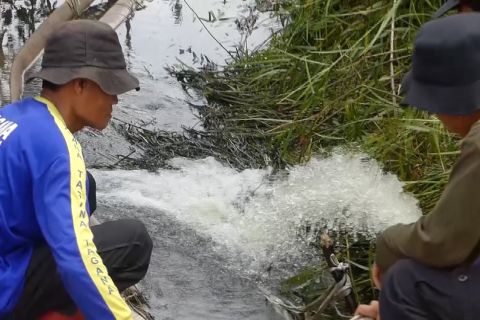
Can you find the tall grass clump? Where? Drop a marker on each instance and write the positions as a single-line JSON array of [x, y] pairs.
[[330, 78]]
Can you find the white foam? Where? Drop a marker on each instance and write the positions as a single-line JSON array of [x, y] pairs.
[[252, 216]]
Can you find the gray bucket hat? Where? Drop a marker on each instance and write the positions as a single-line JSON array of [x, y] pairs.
[[86, 49], [445, 73]]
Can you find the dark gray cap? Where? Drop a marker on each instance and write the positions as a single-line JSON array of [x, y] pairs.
[[86, 49], [447, 6], [445, 73]]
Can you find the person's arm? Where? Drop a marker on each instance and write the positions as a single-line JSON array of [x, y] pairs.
[[449, 234], [60, 204]]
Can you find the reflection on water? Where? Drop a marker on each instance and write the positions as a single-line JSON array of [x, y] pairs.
[[19, 19], [177, 11]]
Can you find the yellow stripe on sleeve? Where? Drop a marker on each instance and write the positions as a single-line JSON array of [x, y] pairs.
[[88, 251]]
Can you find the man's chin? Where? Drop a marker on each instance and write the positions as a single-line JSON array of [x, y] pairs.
[[98, 126]]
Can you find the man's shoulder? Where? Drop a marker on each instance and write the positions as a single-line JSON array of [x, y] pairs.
[[35, 128], [475, 129], [29, 112]]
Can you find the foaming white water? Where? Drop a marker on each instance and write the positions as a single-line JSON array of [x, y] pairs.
[[251, 215]]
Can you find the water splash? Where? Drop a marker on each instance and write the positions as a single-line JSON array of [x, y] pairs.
[[261, 218]]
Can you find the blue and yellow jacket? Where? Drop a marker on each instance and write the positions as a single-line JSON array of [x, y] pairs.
[[43, 200]]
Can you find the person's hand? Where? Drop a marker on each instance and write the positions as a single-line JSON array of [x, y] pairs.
[[376, 276], [369, 310], [372, 310]]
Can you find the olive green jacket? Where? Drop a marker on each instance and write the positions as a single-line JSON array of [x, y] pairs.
[[450, 234]]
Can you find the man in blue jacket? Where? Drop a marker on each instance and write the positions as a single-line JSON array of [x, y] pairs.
[[50, 258]]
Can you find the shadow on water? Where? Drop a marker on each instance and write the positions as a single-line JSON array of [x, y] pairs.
[[187, 278]]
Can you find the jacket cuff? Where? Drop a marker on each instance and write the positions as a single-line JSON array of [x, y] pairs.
[[385, 257]]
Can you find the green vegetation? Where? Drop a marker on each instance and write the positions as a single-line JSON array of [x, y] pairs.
[[332, 77]]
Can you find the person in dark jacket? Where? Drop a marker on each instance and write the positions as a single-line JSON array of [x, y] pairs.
[[50, 257], [430, 269]]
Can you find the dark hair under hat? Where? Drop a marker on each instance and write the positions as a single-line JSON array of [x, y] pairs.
[[86, 49], [445, 73]]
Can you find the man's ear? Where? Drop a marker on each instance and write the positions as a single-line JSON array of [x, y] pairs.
[[79, 85]]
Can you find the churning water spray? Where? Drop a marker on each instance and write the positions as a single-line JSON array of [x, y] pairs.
[[259, 218]]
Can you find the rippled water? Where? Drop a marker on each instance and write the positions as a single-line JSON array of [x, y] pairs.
[[219, 231]]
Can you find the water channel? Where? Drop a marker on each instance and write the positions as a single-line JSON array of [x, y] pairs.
[[218, 233]]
